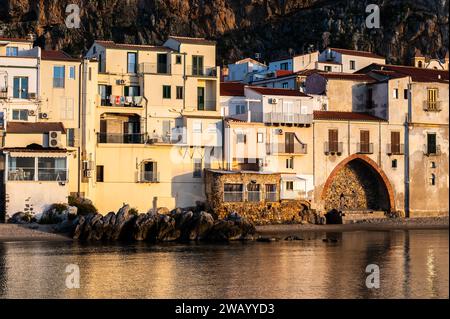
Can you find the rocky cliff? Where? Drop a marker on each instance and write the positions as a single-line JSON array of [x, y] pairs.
[[241, 28]]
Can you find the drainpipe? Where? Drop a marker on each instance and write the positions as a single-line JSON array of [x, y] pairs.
[[80, 101], [408, 119], [379, 144], [348, 139]]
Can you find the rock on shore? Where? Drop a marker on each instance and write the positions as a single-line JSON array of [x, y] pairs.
[[178, 225]]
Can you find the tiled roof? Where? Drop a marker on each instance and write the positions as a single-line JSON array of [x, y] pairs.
[[416, 74], [280, 73], [57, 55], [125, 46], [366, 54], [34, 128], [273, 91], [188, 40], [347, 76], [232, 89], [345, 116], [15, 39]]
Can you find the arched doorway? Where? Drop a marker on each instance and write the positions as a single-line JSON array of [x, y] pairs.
[[357, 183]]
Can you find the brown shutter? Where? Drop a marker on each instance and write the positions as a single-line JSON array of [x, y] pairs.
[[364, 141], [333, 140], [395, 142], [289, 142]]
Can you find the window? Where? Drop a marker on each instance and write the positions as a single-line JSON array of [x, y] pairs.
[[290, 163], [432, 179], [289, 185], [370, 98], [149, 172], [431, 143], [253, 192], [289, 142], [132, 90], [432, 164], [364, 142], [2, 120], [131, 62], [395, 143], [327, 68], [200, 98], [233, 192], [197, 65], [167, 92], [394, 163], [100, 174], [240, 109], [21, 168], [161, 66], [94, 50], [432, 95], [260, 137], [72, 72], [395, 93], [197, 127], [12, 51], [284, 66], [67, 108], [90, 74], [105, 93], [71, 137], [405, 94], [241, 138], [271, 193], [100, 64], [52, 169], [420, 64], [20, 115], [20, 87], [197, 168], [58, 76], [178, 59], [285, 85], [352, 65], [179, 92]]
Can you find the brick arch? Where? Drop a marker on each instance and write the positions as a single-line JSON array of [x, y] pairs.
[[368, 161]]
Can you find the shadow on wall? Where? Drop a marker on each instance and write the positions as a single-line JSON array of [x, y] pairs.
[[187, 189]]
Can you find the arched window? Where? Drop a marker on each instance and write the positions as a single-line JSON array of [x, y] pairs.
[[433, 179]]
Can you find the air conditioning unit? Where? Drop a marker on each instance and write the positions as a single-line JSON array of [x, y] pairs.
[[273, 101], [87, 174], [88, 165], [31, 95], [31, 113], [279, 131], [54, 139], [43, 116]]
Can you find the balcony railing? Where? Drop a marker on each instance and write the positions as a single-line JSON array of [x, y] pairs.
[[207, 71], [282, 148], [206, 105], [154, 68], [254, 196], [283, 118], [149, 177], [21, 174], [44, 174], [333, 148], [432, 106], [429, 150], [117, 138], [233, 196], [52, 174], [364, 148], [395, 149], [121, 101]]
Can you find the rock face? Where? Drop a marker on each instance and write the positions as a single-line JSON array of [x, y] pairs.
[[179, 225], [242, 28]]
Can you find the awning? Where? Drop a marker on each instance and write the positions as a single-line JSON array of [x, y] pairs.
[[58, 154]]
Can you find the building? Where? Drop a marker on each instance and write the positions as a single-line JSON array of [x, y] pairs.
[[346, 61], [421, 61], [243, 69]]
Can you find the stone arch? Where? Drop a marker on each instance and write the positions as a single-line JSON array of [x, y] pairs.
[[370, 175]]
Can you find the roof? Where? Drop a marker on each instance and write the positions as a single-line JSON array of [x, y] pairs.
[[347, 76], [249, 60], [365, 54], [34, 128], [232, 89], [126, 46], [280, 73], [288, 57], [188, 40], [273, 91], [15, 39], [416, 74], [57, 55], [345, 116]]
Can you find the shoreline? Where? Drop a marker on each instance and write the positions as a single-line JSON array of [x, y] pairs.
[[35, 232]]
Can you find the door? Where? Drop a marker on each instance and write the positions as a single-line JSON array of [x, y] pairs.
[[197, 65], [20, 87], [288, 110], [431, 143], [103, 130], [201, 98], [364, 140], [289, 139], [162, 63]]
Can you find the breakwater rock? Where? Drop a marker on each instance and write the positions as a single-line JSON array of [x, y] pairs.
[[178, 225]]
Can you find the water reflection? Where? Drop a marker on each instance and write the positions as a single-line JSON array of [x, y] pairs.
[[412, 264]]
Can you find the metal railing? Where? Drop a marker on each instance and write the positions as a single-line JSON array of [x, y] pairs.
[[282, 148], [233, 196], [117, 138], [432, 106], [21, 174], [333, 147], [154, 68], [125, 101], [58, 82], [290, 118], [432, 151], [364, 148], [149, 177], [271, 196], [209, 71], [43, 174], [206, 105], [395, 149], [254, 196], [52, 174]]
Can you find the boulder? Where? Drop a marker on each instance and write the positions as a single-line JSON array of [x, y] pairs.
[[95, 230], [143, 225], [163, 211], [109, 221], [21, 218], [165, 229], [121, 228]]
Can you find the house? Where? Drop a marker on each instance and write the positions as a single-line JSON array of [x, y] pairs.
[[421, 61], [241, 70], [349, 61]]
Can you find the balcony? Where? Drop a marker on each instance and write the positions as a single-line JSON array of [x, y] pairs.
[[206, 105], [282, 148], [287, 118], [364, 148], [149, 177], [121, 101], [432, 106], [117, 138], [207, 71], [395, 149], [331, 148], [432, 150], [154, 68]]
